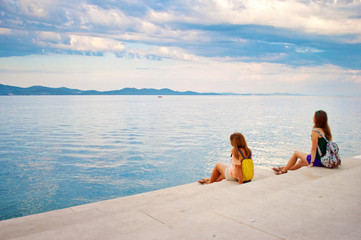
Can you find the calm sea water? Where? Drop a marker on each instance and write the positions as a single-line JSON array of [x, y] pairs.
[[62, 151]]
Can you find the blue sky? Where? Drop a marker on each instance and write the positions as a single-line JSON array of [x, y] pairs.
[[253, 46]]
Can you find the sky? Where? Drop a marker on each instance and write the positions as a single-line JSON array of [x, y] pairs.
[[240, 46]]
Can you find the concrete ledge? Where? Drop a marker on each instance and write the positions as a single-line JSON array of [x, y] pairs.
[[311, 203]]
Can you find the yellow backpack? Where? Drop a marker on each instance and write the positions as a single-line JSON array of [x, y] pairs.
[[247, 167]]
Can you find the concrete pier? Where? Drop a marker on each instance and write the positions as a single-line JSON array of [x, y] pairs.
[[311, 203]]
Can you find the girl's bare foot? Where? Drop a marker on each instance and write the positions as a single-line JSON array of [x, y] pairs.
[[280, 172], [277, 169], [204, 181]]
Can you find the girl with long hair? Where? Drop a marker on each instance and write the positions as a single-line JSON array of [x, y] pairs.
[[320, 121], [221, 171]]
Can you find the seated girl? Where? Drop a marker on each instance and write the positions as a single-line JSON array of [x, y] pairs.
[[318, 150], [221, 171]]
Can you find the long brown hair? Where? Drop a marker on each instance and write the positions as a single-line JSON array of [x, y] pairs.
[[238, 141], [321, 121]]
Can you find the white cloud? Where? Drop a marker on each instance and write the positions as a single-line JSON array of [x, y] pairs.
[[80, 43], [162, 17], [94, 44], [355, 79], [265, 58], [47, 36], [162, 52], [148, 28], [307, 50], [106, 17], [35, 8], [313, 17], [152, 27], [353, 76], [173, 53], [5, 31]]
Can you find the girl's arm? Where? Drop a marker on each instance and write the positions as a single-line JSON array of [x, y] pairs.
[[314, 136], [239, 174]]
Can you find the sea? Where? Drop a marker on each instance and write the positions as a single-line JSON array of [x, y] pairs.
[[62, 151]]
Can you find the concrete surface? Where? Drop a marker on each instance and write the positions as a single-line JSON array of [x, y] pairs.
[[311, 203]]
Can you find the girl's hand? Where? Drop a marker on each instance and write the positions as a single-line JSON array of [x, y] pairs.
[[311, 165]]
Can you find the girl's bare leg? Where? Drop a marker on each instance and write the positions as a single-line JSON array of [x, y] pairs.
[[293, 164], [218, 173], [299, 164]]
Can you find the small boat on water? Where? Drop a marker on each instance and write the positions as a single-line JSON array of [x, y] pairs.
[[160, 96]]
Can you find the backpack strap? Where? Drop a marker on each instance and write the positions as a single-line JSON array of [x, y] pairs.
[[239, 150], [249, 156], [320, 134], [318, 147]]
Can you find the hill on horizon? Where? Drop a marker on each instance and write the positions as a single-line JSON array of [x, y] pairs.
[[6, 90], [41, 90]]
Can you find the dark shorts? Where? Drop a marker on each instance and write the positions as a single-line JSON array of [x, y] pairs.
[[317, 162]]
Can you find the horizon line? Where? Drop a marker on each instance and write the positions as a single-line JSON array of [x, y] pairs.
[[156, 89]]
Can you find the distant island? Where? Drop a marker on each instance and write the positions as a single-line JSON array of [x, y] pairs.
[[6, 90]]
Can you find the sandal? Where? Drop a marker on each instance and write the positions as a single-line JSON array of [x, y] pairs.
[[280, 172]]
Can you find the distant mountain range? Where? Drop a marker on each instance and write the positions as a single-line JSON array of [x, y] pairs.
[[40, 90]]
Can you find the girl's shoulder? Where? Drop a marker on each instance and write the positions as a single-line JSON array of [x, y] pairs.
[[314, 132]]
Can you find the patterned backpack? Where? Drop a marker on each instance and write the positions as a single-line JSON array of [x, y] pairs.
[[331, 159]]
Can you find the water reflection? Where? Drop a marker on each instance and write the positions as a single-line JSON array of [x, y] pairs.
[[57, 152]]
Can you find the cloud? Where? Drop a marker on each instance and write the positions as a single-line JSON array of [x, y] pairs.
[[254, 42], [33, 8], [111, 18], [68, 42], [162, 16], [353, 76], [5, 31], [172, 53], [335, 18], [319, 17], [52, 37], [307, 50], [82, 43], [86, 43]]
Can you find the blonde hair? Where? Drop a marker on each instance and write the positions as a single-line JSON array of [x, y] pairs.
[[238, 141]]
